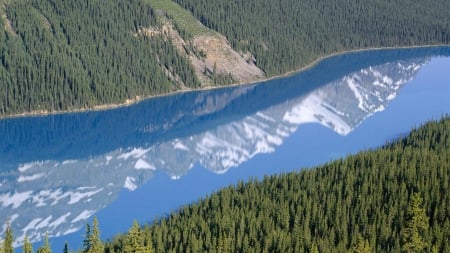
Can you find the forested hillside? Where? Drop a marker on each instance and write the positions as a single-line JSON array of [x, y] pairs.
[[393, 199], [287, 34], [67, 55], [63, 55]]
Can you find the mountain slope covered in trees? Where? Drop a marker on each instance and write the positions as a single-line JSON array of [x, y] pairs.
[[393, 199], [67, 55], [63, 55], [288, 34]]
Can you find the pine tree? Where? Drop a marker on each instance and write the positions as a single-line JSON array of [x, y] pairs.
[[27, 246], [416, 230], [314, 248], [92, 242], [133, 238], [46, 247], [87, 239], [361, 245], [134, 241], [96, 242], [66, 247], [9, 239]]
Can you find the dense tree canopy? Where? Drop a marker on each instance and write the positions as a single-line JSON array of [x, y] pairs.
[[63, 55], [393, 199], [288, 34]]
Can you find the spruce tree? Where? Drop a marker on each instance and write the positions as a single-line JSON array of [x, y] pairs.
[[27, 246], [87, 239], [416, 230], [46, 247], [95, 241], [361, 245], [66, 247], [9, 239], [134, 242]]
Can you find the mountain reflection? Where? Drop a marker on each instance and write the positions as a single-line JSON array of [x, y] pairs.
[[57, 171]]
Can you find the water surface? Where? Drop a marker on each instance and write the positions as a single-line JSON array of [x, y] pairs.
[[145, 160]]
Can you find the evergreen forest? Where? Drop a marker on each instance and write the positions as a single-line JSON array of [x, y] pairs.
[[392, 199], [285, 35], [68, 55]]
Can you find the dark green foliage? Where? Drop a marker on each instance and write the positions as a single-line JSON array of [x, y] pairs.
[[27, 246], [362, 204], [287, 34], [361, 245], [415, 232], [92, 242], [7, 243], [136, 242], [393, 199], [65, 55], [66, 247]]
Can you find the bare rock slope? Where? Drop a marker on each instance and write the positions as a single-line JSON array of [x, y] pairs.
[[208, 51]]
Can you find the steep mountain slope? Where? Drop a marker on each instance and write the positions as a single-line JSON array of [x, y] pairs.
[[60, 55], [66, 55], [393, 199], [210, 53], [288, 34]]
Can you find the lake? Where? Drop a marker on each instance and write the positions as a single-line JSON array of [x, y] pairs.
[[143, 161]]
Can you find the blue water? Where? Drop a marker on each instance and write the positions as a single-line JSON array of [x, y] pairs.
[[143, 161]]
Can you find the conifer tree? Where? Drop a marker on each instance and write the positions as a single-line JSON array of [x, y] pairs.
[[314, 248], [66, 247], [416, 230], [27, 246], [9, 239], [134, 242], [133, 238], [95, 240], [46, 247], [361, 245], [87, 239], [92, 242]]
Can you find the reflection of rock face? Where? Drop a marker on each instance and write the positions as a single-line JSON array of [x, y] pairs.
[[340, 105], [58, 196], [343, 104]]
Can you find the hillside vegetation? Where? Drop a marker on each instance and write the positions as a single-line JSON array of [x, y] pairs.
[[68, 55], [64, 55], [214, 60], [288, 34], [392, 199]]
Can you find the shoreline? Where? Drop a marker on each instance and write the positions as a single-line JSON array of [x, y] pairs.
[[138, 99]]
